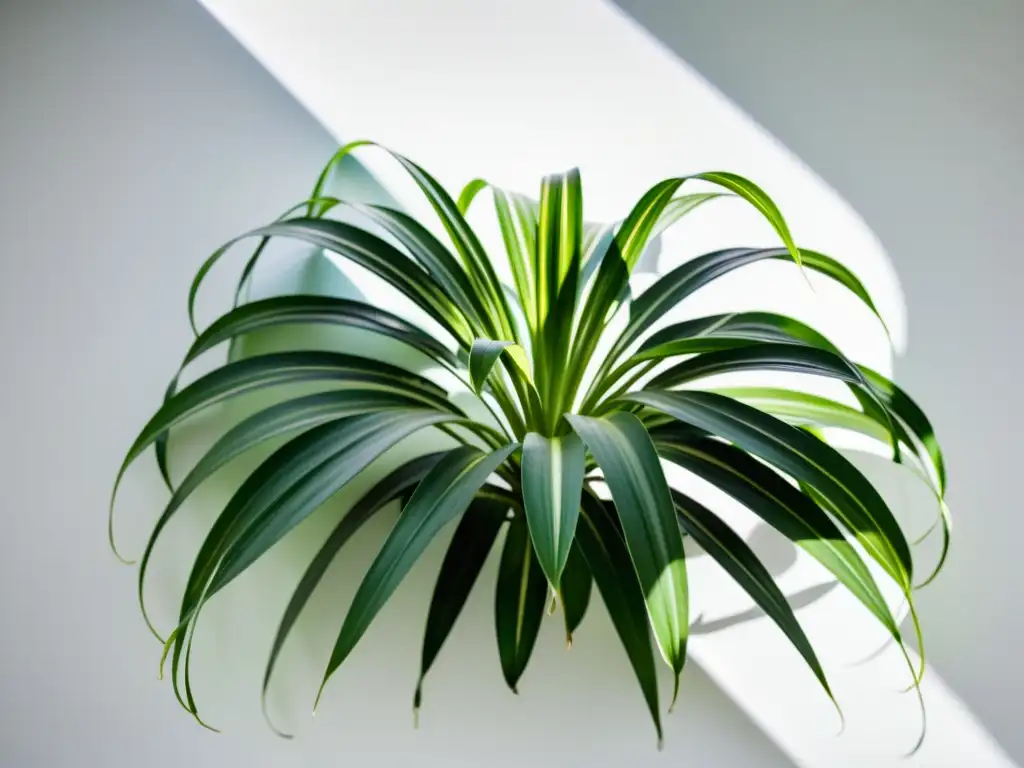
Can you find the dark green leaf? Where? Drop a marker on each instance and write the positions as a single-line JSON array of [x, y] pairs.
[[552, 483], [442, 496], [858, 504], [519, 601], [295, 309], [395, 485], [736, 558], [279, 419], [463, 562], [575, 594], [278, 369], [627, 457], [781, 505], [608, 560]]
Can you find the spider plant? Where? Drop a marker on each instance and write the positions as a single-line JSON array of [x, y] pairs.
[[567, 450]]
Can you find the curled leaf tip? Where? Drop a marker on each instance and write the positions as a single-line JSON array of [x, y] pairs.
[[167, 648], [675, 693], [568, 641], [661, 743]]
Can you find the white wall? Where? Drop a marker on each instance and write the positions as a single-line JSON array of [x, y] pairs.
[[133, 137], [914, 113]]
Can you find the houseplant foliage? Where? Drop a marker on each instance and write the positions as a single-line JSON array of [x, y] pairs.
[[569, 457]]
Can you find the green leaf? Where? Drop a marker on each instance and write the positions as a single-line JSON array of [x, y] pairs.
[[781, 505], [289, 416], [694, 274], [552, 477], [717, 332], [382, 259], [393, 486], [802, 409], [485, 353], [736, 558], [442, 496], [575, 592], [519, 601], [858, 505], [474, 537], [608, 560], [282, 492], [557, 265], [627, 457], [478, 266], [766, 356], [278, 369], [301, 309]]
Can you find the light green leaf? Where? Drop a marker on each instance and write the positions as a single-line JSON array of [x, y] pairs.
[[518, 602], [442, 496], [552, 484], [485, 353], [627, 457]]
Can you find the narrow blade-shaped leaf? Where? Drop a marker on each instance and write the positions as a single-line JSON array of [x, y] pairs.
[[805, 458], [782, 506], [251, 374], [474, 537], [608, 560], [281, 493], [296, 309], [552, 474], [394, 485], [739, 561], [282, 418], [577, 582], [519, 600], [442, 496], [633, 473]]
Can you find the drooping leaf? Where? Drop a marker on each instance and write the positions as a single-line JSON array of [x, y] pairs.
[[627, 457], [694, 274], [764, 356], [519, 601], [282, 418], [858, 504], [729, 550], [474, 537], [577, 582], [277, 369], [282, 492], [608, 560], [781, 505], [393, 486], [442, 496], [296, 309], [552, 484]]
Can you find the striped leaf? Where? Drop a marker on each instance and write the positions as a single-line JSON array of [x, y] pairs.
[[443, 495], [474, 537], [608, 560], [518, 602], [552, 477], [393, 486], [626, 455], [737, 559]]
